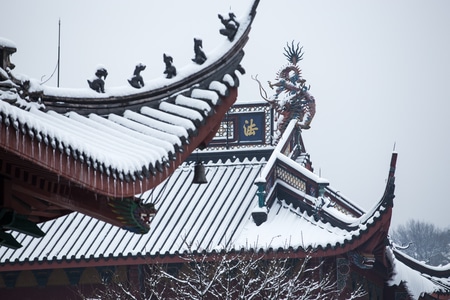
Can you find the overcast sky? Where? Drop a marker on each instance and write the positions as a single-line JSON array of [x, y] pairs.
[[379, 71]]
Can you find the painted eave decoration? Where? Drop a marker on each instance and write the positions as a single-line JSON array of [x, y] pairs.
[[92, 150]]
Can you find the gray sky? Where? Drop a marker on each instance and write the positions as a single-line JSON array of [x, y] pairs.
[[379, 71]]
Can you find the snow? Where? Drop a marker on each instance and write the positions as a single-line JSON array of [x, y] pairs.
[[125, 144], [151, 127], [206, 95], [260, 209], [299, 230], [5, 43], [260, 180], [304, 171], [278, 155], [168, 118], [157, 83], [181, 111], [342, 197], [97, 139], [219, 87], [150, 142], [228, 79], [128, 142], [416, 283], [193, 103]]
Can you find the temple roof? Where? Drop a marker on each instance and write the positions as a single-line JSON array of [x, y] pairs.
[[304, 215], [218, 215], [125, 133], [93, 150], [208, 216]]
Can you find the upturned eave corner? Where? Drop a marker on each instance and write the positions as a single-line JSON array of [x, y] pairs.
[[93, 150]]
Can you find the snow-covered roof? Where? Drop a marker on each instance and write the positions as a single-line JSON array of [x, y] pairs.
[[130, 146], [87, 150], [209, 216], [125, 133], [218, 215], [417, 277], [212, 216]]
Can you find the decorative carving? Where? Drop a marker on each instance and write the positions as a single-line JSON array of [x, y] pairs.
[[200, 56], [171, 71], [136, 80], [134, 215], [362, 260], [231, 26], [297, 103], [98, 83]]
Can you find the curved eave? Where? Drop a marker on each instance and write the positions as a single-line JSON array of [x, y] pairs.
[[367, 233], [56, 162], [439, 272], [40, 136], [368, 236], [370, 231], [119, 100]]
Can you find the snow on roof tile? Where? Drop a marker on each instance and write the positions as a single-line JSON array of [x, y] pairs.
[[194, 104], [184, 112], [228, 79], [168, 118], [152, 127], [416, 282], [208, 216], [206, 95], [299, 230], [218, 87], [183, 109], [89, 140]]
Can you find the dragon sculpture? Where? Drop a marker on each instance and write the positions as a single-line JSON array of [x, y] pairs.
[[291, 99], [134, 215]]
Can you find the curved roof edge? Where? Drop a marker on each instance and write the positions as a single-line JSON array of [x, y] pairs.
[[418, 278], [368, 230], [441, 271]]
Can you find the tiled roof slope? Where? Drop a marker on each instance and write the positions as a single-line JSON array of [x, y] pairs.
[[208, 216], [215, 215], [310, 218], [134, 137], [128, 147], [92, 151]]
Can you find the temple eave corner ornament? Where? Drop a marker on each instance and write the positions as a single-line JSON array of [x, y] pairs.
[[292, 99], [170, 70], [231, 26], [137, 81], [98, 82], [200, 56], [13, 87], [134, 215]]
